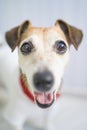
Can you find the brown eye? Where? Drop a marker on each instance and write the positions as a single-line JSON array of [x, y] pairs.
[[60, 47], [26, 48]]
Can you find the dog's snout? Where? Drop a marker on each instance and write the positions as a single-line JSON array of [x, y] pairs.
[[43, 81]]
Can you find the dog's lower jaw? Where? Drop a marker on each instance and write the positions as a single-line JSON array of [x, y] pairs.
[[46, 100], [44, 105]]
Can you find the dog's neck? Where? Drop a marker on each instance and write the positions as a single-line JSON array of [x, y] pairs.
[[25, 87]]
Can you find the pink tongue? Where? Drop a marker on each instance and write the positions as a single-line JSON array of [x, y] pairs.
[[44, 98]]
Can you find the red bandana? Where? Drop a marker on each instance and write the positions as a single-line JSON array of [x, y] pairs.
[[28, 93]]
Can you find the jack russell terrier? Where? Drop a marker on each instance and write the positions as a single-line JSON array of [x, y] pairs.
[[33, 79]]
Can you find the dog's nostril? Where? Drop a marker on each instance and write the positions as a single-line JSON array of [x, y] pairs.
[[43, 81]]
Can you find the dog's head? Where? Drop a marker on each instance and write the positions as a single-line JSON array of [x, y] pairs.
[[43, 56]]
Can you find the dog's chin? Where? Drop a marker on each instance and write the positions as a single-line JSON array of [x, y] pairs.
[[44, 100]]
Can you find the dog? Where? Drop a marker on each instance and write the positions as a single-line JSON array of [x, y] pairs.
[[32, 75]]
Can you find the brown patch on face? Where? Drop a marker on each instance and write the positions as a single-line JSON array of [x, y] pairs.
[[64, 30], [14, 35], [43, 32], [74, 35]]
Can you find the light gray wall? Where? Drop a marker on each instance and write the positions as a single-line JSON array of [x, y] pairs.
[[45, 13]]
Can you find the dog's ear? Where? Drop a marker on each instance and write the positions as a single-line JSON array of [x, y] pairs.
[[73, 34], [13, 36]]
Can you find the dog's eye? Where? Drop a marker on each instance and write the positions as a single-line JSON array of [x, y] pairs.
[[60, 47], [26, 48]]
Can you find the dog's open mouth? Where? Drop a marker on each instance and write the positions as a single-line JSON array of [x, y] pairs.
[[43, 99]]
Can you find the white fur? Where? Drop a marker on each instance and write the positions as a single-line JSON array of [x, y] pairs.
[[43, 58], [18, 107]]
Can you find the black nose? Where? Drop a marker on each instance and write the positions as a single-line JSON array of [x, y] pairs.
[[43, 81]]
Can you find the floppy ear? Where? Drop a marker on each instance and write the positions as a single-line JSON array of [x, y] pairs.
[[73, 34], [13, 36]]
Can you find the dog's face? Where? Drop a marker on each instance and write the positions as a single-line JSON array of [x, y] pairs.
[[43, 56]]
